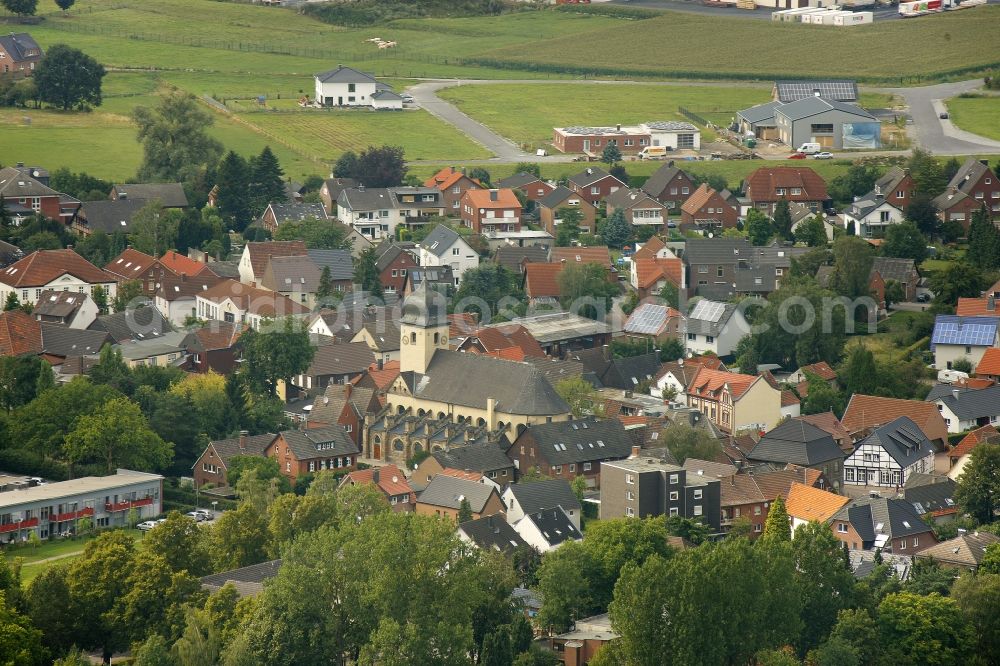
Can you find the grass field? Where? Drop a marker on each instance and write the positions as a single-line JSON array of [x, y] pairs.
[[979, 115]]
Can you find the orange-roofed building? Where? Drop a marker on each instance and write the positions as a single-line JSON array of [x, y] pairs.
[[989, 365], [462, 324], [597, 254], [390, 481], [708, 209], [453, 184], [985, 434], [20, 334], [182, 265], [654, 248], [488, 211], [493, 339], [379, 376], [864, 413], [977, 307], [541, 282], [652, 275], [234, 301], [735, 402], [806, 504]]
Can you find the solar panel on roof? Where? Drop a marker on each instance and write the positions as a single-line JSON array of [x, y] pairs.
[[708, 311]]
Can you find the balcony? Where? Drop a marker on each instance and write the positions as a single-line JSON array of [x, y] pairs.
[[71, 515], [127, 504], [23, 525]]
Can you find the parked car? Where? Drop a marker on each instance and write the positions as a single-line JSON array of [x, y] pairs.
[[147, 525], [797, 156], [923, 297], [197, 516], [943, 115], [407, 99], [823, 156]]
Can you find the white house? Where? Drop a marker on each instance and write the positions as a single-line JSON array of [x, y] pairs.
[[966, 409], [376, 212], [872, 215], [346, 86], [966, 338], [56, 270], [547, 529], [715, 327], [234, 301], [444, 247], [520, 499], [889, 455]]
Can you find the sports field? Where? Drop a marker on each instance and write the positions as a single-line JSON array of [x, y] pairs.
[[979, 115]]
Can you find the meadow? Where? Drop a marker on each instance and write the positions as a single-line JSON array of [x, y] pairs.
[[979, 115]]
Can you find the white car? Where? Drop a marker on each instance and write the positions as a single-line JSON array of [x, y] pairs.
[[147, 525], [196, 516], [407, 99], [823, 156]]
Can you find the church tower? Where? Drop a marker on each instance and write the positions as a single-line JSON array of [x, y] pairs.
[[423, 329]]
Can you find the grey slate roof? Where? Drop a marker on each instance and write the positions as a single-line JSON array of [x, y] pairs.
[[435, 277], [968, 175], [867, 204], [255, 446], [759, 113], [833, 89], [384, 94], [341, 359], [170, 195], [440, 240], [716, 250], [948, 198], [20, 45], [493, 533], [973, 405], [479, 458], [511, 256], [59, 340], [366, 198], [812, 106], [58, 303], [110, 216], [872, 517], [890, 180], [448, 491], [656, 183], [248, 580], [929, 492], [588, 176], [225, 269], [385, 334], [470, 379], [339, 262], [16, 182], [143, 323], [581, 440], [796, 441], [556, 197], [631, 198], [291, 274], [902, 439], [344, 74], [320, 442], [554, 525], [296, 212], [900, 270], [535, 496], [518, 180]]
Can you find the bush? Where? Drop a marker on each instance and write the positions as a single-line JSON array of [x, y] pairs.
[[22, 461]]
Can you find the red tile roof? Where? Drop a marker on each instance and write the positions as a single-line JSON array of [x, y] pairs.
[[762, 184], [253, 300], [828, 422], [698, 199], [182, 265], [540, 280], [43, 266], [977, 307], [583, 255], [821, 370], [383, 378], [508, 354], [989, 364], [447, 177], [987, 433], [788, 398], [390, 480], [707, 383], [649, 249], [866, 412], [651, 271], [220, 334], [462, 324], [19, 334], [481, 199], [505, 336], [808, 503], [633, 420], [130, 264], [461, 474]]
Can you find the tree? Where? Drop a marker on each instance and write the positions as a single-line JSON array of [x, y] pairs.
[[181, 543], [978, 597], [991, 560], [528, 167], [47, 603], [366, 273], [496, 649], [824, 579], [923, 629], [65, 4], [464, 511], [239, 538], [199, 645], [21, 7], [233, 196], [922, 213], [12, 303], [959, 279], [584, 288], [616, 230], [112, 371], [812, 232], [153, 229], [611, 155], [489, 290], [384, 166], [928, 177], [781, 221], [905, 241], [324, 290], [20, 642], [154, 651], [280, 353], [859, 374], [266, 184], [316, 234], [758, 228], [685, 442], [580, 395], [822, 397], [859, 180], [346, 165], [778, 525], [117, 435], [951, 231], [68, 78], [984, 241], [894, 292], [481, 175], [22, 379], [852, 262], [978, 489], [563, 584], [100, 296], [569, 226], [175, 141], [834, 652]]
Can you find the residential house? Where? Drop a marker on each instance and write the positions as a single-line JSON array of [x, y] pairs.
[[798, 442], [896, 186], [932, 495], [670, 134], [170, 195], [708, 210], [891, 525], [820, 370], [674, 376], [669, 185], [346, 405], [376, 212], [651, 276], [832, 124], [955, 206], [765, 270], [747, 497], [248, 581], [712, 264], [491, 533], [134, 265], [393, 261], [390, 481], [579, 645], [445, 494], [25, 195], [176, 297], [214, 347], [977, 307], [889, 455], [568, 449], [959, 454], [445, 247], [277, 214], [296, 278], [55, 270], [965, 552], [57, 343], [768, 185], [382, 337], [487, 211], [300, 452], [19, 54], [642, 487], [489, 461], [989, 365], [453, 184], [212, 466], [514, 257], [547, 529], [253, 261], [20, 334], [966, 409], [629, 373], [976, 181], [654, 322], [563, 198], [237, 302], [640, 209], [806, 504], [132, 325], [541, 283], [418, 205], [521, 499], [337, 363], [439, 278], [594, 184], [735, 402], [340, 265], [107, 216], [9, 254], [901, 271], [871, 215], [867, 412], [500, 338], [68, 308], [965, 338], [330, 191], [715, 327], [346, 86], [533, 187]]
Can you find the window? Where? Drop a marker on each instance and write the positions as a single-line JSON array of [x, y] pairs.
[[718, 271], [288, 465], [916, 542], [709, 339], [758, 527], [849, 474], [902, 544], [595, 190], [697, 493], [674, 511], [756, 510], [629, 478], [883, 216], [557, 469], [842, 528], [312, 466], [673, 190], [351, 87], [629, 495], [780, 191], [796, 191], [629, 511], [822, 128], [572, 467], [674, 479], [901, 194], [456, 251], [697, 509], [586, 467], [685, 190], [703, 269]]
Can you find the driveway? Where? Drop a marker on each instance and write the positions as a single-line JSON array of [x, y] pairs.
[[932, 133]]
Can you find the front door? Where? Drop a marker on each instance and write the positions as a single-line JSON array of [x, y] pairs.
[[377, 451], [340, 101], [586, 145], [871, 478]]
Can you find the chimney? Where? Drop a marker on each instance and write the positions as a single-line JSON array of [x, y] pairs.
[[954, 393], [618, 127], [348, 389], [243, 440], [493, 195], [375, 475], [184, 277], [605, 350], [361, 187], [985, 163], [635, 452]]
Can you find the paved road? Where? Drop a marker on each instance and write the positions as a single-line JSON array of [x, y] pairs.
[[932, 133]]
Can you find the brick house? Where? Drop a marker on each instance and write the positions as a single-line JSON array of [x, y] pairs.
[[393, 261], [533, 187], [896, 187], [976, 180], [749, 496], [22, 192], [299, 452], [214, 347], [345, 405], [443, 497], [485, 211], [889, 524], [452, 184], [569, 449], [488, 461], [277, 214], [640, 208], [389, 481], [768, 185], [955, 206], [708, 209], [669, 185], [563, 197], [212, 466], [19, 54], [594, 184]]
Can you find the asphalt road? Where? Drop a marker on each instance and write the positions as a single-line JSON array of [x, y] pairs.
[[937, 135]]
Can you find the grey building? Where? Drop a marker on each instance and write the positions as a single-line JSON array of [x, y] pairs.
[[831, 124], [640, 487], [801, 443]]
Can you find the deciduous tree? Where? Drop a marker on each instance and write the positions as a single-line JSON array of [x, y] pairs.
[[491, 284], [978, 490], [569, 226], [923, 629], [181, 543], [905, 241], [584, 288], [759, 229], [781, 221], [21, 7], [154, 229], [959, 279], [366, 273], [117, 435], [685, 442], [384, 166], [978, 597], [175, 142], [812, 232], [824, 580]]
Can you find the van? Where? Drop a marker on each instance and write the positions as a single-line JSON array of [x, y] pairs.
[[810, 148], [951, 376], [652, 152]]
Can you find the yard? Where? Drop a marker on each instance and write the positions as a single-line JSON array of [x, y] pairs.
[[979, 115], [61, 551]]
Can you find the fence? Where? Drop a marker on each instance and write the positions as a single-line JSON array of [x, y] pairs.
[[692, 116]]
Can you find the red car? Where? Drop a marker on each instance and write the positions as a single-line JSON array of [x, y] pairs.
[[797, 156]]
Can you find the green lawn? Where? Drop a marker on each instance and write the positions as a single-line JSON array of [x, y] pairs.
[[35, 560], [979, 115]]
